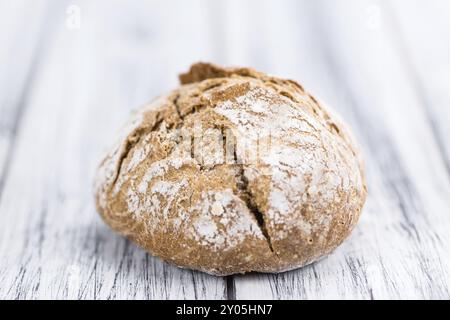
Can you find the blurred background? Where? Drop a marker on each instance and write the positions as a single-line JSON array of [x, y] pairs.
[[72, 71]]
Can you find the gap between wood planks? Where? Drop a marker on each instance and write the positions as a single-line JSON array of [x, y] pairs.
[[231, 288]]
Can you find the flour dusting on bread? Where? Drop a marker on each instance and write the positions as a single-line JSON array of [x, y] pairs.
[[235, 171]]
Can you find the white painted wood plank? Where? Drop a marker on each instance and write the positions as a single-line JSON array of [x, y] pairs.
[[19, 61], [52, 242], [411, 166], [421, 30], [398, 249], [53, 245]]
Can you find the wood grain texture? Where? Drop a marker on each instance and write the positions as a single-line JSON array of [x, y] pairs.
[[17, 76], [64, 92], [389, 253], [426, 56], [53, 244]]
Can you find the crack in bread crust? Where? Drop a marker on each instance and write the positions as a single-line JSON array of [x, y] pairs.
[[246, 196], [131, 141], [291, 214]]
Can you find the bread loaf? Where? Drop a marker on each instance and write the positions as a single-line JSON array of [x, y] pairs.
[[232, 172]]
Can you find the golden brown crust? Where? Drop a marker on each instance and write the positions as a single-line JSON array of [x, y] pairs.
[[184, 183]]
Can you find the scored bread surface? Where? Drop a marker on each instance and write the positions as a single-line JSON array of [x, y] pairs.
[[183, 181]]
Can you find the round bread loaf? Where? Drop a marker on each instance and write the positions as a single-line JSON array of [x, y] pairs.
[[234, 171]]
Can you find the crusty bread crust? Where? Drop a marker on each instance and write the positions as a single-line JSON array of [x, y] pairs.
[[234, 171]]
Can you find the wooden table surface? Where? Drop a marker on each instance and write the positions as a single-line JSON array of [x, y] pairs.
[[71, 72]]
